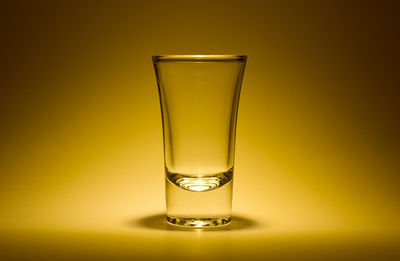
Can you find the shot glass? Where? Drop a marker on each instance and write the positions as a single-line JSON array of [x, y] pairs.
[[199, 97]]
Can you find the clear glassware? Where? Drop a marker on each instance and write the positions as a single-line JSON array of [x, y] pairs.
[[199, 96]]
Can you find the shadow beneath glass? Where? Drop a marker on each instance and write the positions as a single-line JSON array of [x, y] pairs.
[[159, 222]]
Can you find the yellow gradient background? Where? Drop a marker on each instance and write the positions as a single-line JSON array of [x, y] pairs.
[[317, 153]]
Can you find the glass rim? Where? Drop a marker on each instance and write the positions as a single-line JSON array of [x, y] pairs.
[[199, 58]]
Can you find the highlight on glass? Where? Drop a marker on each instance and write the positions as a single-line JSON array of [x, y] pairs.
[[199, 97]]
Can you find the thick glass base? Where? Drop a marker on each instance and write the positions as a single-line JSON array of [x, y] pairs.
[[198, 222], [192, 208]]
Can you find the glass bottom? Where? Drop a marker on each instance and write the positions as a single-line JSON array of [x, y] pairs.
[[198, 222], [200, 183]]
